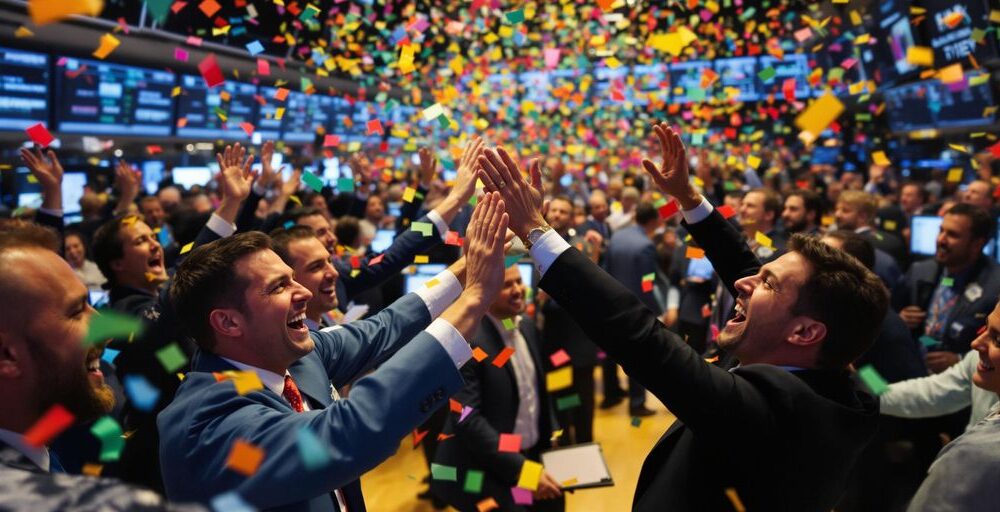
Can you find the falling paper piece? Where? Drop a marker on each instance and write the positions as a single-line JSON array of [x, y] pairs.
[[141, 394], [735, 500], [345, 185], [479, 354], [473, 481], [819, 114], [873, 380], [559, 379], [559, 358], [312, 181], [442, 472], [108, 45], [509, 443], [51, 424], [314, 454], [487, 505], [920, 56], [110, 433], [171, 357], [694, 253], [111, 324], [244, 458], [502, 357], [47, 11], [466, 411], [418, 436], [40, 135], [531, 473], [568, 402], [880, 159], [210, 71], [521, 496], [424, 228]]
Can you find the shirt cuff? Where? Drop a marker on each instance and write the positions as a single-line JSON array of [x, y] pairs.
[[698, 213], [219, 226], [439, 223], [52, 211], [439, 292], [451, 340], [545, 251]]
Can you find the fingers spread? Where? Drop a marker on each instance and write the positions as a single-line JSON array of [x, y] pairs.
[[512, 173]]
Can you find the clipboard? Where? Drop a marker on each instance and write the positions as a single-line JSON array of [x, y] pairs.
[[583, 462]]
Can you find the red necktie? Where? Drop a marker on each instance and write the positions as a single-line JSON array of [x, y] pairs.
[[291, 393]]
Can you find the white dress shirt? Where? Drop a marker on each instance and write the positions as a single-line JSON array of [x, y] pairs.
[[528, 406]]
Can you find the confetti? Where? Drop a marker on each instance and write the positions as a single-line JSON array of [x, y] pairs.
[[502, 357], [559, 358], [50, 425], [111, 324], [509, 443], [40, 135], [473, 481], [171, 357], [873, 380], [559, 379], [443, 472], [531, 473], [244, 458], [110, 433], [141, 394], [43, 12]]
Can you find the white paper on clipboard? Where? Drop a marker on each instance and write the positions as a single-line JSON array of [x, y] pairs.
[[583, 463]]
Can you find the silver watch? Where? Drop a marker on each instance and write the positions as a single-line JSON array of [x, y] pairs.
[[535, 234]]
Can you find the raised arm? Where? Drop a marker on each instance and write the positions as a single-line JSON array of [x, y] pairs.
[[49, 173]]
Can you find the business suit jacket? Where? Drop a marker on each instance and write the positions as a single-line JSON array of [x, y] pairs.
[[783, 440], [967, 316], [631, 255], [198, 429], [492, 393]]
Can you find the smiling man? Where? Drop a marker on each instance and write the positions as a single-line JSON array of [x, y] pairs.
[[780, 432], [246, 311]]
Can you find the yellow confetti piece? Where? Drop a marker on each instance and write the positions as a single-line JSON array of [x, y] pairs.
[[421, 258], [955, 175], [559, 379], [187, 247], [23, 31], [920, 56], [408, 194], [753, 161], [571, 481], [432, 283], [763, 239], [92, 469], [880, 159], [531, 473], [48, 11], [820, 114], [734, 498], [951, 74], [107, 45]]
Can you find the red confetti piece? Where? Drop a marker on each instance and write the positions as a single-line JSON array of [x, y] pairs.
[[51, 424]]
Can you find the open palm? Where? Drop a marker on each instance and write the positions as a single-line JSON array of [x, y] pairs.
[[672, 176]]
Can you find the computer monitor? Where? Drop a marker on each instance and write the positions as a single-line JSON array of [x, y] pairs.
[[383, 239], [923, 234], [72, 191], [527, 274], [421, 274], [191, 176]]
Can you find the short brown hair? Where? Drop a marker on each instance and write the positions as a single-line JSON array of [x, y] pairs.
[[849, 299], [207, 279], [23, 233], [863, 202], [281, 238], [772, 201], [107, 245]]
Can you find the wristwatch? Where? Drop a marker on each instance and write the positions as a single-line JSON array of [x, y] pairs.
[[535, 234]]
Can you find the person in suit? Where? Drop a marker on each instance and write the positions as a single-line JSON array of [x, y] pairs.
[[945, 300], [856, 211], [632, 255], [759, 212], [44, 363], [779, 432], [216, 289], [511, 399], [801, 213]]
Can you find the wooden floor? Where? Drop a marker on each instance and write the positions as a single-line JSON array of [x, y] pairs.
[[393, 486]]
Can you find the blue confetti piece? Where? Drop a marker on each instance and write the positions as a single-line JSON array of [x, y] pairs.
[[140, 392], [314, 454], [255, 48], [288, 225], [231, 502]]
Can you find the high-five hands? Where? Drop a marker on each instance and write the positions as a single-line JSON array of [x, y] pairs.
[[672, 177], [486, 237], [523, 201]]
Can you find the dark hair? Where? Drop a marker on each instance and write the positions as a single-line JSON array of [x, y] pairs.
[[855, 245], [207, 279], [23, 233], [810, 201], [281, 238], [772, 201], [645, 213], [920, 189], [295, 214], [347, 231], [849, 299], [563, 198], [107, 244], [982, 223]]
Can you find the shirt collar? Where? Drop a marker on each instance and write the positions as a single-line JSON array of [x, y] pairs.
[[38, 455], [269, 379]]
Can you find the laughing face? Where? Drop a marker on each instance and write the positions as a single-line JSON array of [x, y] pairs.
[[142, 257], [47, 347], [764, 318], [311, 262], [273, 321], [987, 345]]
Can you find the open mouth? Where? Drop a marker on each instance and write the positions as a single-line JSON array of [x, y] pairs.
[[93, 365], [155, 261], [330, 290], [740, 314], [298, 322], [984, 366]]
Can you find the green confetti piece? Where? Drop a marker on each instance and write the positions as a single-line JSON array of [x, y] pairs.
[[424, 228], [747, 14], [509, 324], [110, 433], [649, 277], [767, 74], [473, 481], [636, 421], [568, 402], [171, 357], [443, 122], [928, 341], [314, 454], [473, 201], [111, 324], [442, 472], [515, 17], [345, 185], [159, 9], [511, 259], [947, 281], [876, 384], [696, 94], [315, 183]]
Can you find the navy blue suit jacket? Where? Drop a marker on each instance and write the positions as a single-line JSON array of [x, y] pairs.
[[631, 255], [198, 429]]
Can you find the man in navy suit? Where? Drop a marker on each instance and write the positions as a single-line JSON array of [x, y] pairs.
[[792, 420], [240, 303], [632, 255], [511, 399]]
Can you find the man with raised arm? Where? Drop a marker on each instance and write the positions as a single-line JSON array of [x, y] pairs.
[[779, 432]]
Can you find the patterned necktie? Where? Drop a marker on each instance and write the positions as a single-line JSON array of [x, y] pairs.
[[291, 393]]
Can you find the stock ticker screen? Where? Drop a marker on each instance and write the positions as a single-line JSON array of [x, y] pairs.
[[24, 89]]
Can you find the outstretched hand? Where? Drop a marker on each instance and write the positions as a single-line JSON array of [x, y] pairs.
[[486, 237], [235, 176], [268, 175], [428, 166], [129, 181], [672, 177], [523, 201], [49, 174], [465, 176]]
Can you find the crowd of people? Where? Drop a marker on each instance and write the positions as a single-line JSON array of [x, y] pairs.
[[273, 357]]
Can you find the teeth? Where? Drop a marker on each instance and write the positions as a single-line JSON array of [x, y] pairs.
[[739, 309], [94, 365], [301, 317]]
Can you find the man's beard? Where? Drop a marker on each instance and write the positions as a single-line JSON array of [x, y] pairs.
[[69, 387]]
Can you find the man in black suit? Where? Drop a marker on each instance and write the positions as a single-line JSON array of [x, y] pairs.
[[780, 432], [511, 399], [802, 212]]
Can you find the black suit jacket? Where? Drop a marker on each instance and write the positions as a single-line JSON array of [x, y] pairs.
[[492, 394], [784, 440]]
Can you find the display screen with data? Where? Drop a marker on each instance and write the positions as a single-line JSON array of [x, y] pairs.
[[24, 89], [109, 99], [218, 112]]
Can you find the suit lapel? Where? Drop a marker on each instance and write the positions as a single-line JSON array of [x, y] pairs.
[[312, 381]]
